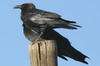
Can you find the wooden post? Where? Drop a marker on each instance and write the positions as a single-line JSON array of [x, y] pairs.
[[43, 53]]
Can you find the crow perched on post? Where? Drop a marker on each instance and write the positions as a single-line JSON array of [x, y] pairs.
[[38, 25]]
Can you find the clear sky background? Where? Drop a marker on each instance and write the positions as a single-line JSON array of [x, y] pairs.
[[14, 45]]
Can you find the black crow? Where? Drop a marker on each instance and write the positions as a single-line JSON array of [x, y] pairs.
[[36, 21]]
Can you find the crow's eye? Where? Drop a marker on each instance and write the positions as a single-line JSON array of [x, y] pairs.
[[24, 6]]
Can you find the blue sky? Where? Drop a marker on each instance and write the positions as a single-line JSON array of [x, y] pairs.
[[14, 45]]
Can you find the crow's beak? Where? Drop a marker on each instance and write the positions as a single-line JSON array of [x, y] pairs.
[[17, 6]]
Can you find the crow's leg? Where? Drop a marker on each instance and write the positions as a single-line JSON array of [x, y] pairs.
[[38, 37], [42, 31]]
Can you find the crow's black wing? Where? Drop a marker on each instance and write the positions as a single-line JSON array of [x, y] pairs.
[[52, 20], [64, 46]]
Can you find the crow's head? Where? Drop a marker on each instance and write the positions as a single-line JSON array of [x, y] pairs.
[[26, 7]]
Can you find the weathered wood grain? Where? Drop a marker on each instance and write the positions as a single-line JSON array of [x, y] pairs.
[[43, 53]]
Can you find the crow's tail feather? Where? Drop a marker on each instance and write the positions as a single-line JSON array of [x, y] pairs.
[[71, 52], [69, 24]]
